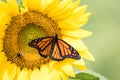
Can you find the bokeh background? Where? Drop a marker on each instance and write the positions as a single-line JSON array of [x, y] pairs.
[[104, 44]]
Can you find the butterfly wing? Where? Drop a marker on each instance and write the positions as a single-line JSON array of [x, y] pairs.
[[43, 45], [62, 50], [55, 53], [56, 48]]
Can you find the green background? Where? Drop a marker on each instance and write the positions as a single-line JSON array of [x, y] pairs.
[[104, 44]]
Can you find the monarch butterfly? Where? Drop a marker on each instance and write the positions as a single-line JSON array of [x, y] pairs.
[[55, 48]]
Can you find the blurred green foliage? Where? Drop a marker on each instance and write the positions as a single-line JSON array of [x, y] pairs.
[[104, 44]]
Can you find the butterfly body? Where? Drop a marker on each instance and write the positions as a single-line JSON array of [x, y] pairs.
[[55, 48]]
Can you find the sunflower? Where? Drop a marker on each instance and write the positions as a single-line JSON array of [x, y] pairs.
[[34, 19]]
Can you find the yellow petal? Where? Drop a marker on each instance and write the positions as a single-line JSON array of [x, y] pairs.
[[83, 20], [81, 67], [86, 15], [58, 9], [44, 70], [63, 76], [79, 12], [2, 55], [39, 5], [76, 33], [45, 4], [52, 73], [68, 24], [4, 19], [77, 18], [77, 62], [65, 7], [32, 4], [51, 64], [72, 23], [66, 68], [12, 71], [35, 75], [3, 60], [23, 75], [49, 6], [86, 54], [10, 7], [17, 73], [3, 28], [2, 34], [76, 43], [59, 74], [8, 72], [4, 76]]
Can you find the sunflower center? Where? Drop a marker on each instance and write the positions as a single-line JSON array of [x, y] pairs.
[[22, 29]]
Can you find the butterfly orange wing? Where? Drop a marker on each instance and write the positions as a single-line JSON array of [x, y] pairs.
[[43, 45], [62, 50]]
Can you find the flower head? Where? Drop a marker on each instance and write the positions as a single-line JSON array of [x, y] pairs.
[[40, 18]]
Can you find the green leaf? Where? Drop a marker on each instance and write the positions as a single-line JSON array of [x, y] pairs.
[[88, 75], [101, 77], [85, 76]]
